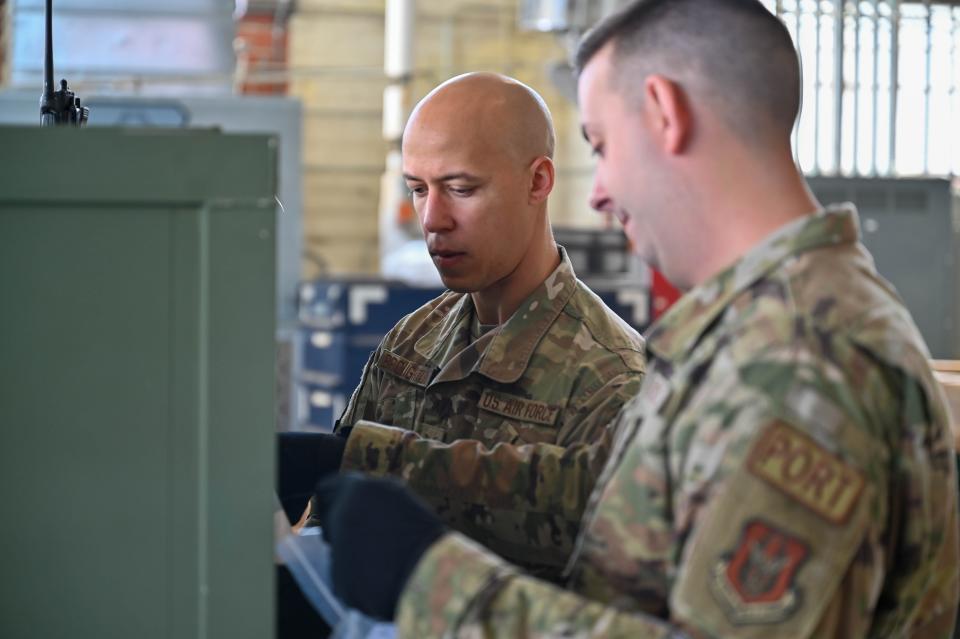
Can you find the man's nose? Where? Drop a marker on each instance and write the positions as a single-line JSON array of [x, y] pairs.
[[435, 213], [600, 200]]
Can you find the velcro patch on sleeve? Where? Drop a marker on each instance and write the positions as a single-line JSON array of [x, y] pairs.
[[404, 368], [802, 469], [519, 408], [756, 581]]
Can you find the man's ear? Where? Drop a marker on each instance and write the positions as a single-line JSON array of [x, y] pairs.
[[667, 113], [543, 175]]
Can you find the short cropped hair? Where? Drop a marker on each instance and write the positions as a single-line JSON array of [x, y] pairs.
[[734, 53]]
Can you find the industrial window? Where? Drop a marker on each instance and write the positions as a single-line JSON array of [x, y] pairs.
[[881, 88]]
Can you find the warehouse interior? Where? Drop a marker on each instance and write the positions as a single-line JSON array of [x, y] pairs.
[[131, 365]]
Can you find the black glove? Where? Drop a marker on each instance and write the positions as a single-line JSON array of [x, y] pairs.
[[377, 531], [302, 459]]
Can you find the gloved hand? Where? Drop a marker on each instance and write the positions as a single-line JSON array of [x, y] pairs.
[[302, 459], [377, 531]]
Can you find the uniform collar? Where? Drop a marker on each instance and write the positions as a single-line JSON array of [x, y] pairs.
[[680, 329], [503, 353]]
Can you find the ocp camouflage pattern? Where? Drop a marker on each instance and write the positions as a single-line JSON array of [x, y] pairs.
[[504, 435], [786, 471]]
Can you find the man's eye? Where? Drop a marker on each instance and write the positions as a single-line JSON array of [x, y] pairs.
[[417, 191], [462, 191], [596, 150]]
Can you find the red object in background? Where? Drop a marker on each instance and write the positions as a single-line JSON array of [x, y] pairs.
[[263, 50], [662, 294]]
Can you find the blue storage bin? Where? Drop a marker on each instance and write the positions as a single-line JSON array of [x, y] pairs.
[[321, 406], [371, 306]]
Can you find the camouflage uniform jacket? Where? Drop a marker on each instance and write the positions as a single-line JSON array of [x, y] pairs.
[[554, 375], [786, 471]]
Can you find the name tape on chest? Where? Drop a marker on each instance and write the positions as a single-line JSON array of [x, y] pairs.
[[404, 368], [519, 408], [802, 469]]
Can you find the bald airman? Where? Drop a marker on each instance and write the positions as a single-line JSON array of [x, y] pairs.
[[519, 368]]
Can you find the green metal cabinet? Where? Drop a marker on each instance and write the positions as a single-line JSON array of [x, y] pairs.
[[137, 277]]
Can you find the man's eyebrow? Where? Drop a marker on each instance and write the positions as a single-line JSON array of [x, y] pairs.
[[583, 132], [461, 175]]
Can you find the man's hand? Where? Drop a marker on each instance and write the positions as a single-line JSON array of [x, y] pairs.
[[377, 531], [302, 459]]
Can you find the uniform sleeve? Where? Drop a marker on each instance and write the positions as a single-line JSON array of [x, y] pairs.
[[765, 506], [524, 501], [758, 495], [461, 589]]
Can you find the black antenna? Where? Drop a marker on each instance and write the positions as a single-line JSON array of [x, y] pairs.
[[57, 108], [48, 53]]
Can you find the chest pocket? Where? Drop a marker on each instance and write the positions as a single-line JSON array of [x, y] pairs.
[[503, 417], [402, 385]]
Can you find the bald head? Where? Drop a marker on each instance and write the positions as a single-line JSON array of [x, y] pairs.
[[477, 161], [488, 113]]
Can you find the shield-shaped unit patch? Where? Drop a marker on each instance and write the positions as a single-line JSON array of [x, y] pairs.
[[755, 583]]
